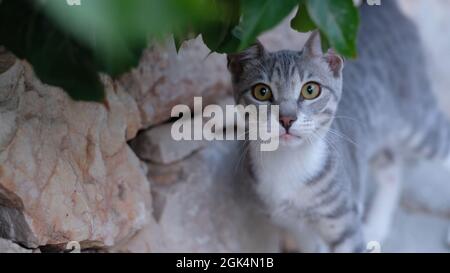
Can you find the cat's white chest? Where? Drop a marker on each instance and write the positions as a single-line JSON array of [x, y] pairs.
[[282, 175]]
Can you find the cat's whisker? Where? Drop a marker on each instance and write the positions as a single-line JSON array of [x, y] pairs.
[[348, 118], [343, 136], [247, 144], [330, 145], [244, 152], [248, 130]]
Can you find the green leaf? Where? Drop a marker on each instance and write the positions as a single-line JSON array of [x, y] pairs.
[[218, 33], [325, 42], [105, 27], [56, 57], [178, 40], [118, 30], [302, 21], [338, 21], [179, 37], [261, 15]]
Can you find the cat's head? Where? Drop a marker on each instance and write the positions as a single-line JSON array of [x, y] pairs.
[[306, 85]]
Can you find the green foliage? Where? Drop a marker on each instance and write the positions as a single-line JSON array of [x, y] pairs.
[[58, 58], [219, 34], [69, 45], [338, 21], [261, 15], [302, 22]]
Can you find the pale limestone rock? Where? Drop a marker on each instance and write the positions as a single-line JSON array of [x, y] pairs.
[[158, 146], [165, 78], [66, 171], [6, 59]]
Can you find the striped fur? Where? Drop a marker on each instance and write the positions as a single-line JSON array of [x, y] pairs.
[[380, 101]]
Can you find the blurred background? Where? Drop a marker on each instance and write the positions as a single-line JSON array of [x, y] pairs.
[[109, 175]]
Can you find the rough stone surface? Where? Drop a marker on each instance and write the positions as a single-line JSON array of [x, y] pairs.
[[158, 146], [165, 78], [6, 59], [66, 172]]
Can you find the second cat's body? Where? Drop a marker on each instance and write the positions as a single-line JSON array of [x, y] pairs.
[[338, 126]]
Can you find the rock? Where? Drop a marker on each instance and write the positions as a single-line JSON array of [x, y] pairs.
[[166, 78], [66, 171], [10, 247], [158, 146], [6, 59]]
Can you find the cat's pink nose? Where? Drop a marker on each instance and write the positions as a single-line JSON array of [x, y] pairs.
[[287, 122]]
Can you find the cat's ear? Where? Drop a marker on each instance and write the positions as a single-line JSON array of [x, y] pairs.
[[236, 60], [335, 62], [313, 47]]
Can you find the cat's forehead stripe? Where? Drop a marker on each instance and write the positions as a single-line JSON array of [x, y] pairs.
[[283, 66], [293, 70]]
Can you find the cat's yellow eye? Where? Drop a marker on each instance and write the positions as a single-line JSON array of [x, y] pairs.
[[311, 91], [262, 92]]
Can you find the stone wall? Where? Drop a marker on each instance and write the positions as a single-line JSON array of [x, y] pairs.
[[66, 171]]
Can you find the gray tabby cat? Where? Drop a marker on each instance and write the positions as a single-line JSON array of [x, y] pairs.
[[336, 124]]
